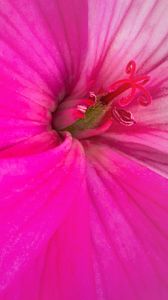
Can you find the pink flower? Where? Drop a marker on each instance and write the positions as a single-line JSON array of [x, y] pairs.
[[83, 216]]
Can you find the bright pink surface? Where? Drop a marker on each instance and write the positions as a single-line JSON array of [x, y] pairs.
[[82, 220]]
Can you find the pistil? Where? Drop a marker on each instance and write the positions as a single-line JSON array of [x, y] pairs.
[[111, 104]]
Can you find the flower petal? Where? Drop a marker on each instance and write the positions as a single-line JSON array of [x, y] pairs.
[[134, 30], [63, 269], [129, 223], [147, 140], [37, 194], [42, 48]]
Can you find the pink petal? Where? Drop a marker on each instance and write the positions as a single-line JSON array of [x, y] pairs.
[[42, 45], [130, 31], [129, 224], [147, 140], [63, 269], [46, 251], [108, 54], [39, 193]]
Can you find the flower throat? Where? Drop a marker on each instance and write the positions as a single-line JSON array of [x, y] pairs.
[[99, 111]]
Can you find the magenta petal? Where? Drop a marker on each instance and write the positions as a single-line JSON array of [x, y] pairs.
[[42, 50], [129, 224], [71, 231], [38, 192], [64, 268]]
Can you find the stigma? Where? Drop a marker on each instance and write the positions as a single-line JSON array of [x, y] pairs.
[[122, 93], [100, 110]]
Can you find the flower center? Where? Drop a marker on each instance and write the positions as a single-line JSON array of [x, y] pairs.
[[94, 114]]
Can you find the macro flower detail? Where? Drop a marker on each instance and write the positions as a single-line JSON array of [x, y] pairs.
[[83, 150], [92, 112]]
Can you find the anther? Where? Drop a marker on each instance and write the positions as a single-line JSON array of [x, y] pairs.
[[124, 117], [82, 108]]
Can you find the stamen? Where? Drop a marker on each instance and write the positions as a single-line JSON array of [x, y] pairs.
[[133, 84], [82, 108], [93, 97], [123, 116], [88, 115]]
